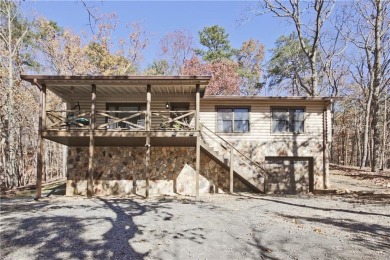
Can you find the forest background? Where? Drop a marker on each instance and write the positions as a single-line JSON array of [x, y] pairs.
[[340, 50]]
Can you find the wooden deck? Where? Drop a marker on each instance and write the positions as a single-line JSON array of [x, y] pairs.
[[80, 137]]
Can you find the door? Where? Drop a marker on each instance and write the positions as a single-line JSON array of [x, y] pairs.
[[289, 175]]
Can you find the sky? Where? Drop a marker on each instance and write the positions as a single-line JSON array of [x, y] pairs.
[[161, 17]]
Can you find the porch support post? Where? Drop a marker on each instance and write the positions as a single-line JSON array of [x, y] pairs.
[[91, 166], [197, 107], [197, 164], [231, 170], [197, 167], [148, 115], [147, 166], [40, 152], [148, 122], [326, 136]]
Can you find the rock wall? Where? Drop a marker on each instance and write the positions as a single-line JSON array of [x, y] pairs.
[[121, 170], [281, 180], [310, 148]]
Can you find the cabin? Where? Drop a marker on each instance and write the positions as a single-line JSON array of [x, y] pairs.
[[162, 135]]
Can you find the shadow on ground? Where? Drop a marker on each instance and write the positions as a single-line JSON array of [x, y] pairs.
[[302, 205], [361, 233], [57, 190], [64, 236], [361, 174]]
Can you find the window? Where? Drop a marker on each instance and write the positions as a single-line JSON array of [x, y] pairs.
[[288, 120], [132, 108], [232, 120]]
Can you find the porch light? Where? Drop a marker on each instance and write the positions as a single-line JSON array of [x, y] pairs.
[[167, 105]]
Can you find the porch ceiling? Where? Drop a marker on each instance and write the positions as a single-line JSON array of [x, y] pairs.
[[67, 86]]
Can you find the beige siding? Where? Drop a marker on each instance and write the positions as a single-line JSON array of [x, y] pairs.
[[260, 119], [260, 115]]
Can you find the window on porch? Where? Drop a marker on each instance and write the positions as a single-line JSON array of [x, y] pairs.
[[124, 111]]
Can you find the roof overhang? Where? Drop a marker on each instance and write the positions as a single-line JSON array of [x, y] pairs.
[[325, 100], [65, 86]]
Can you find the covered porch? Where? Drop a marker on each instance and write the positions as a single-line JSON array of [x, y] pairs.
[[120, 111]]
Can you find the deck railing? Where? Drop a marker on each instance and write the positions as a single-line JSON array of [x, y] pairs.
[[121, 120], [130, 120], [213, 139], [174, 120], [62, 119]]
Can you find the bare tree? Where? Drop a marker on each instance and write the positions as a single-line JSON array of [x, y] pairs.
[[308, 18], [368, 31], [12, 33], [176, 48]]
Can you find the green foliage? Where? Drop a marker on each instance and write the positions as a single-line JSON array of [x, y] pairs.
[[48, 30], [22, 35], [217, 43], [249, 58], [107, 63], [288, 62], [158, 67]]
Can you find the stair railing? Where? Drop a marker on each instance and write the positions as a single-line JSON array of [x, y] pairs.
[[232, 148]]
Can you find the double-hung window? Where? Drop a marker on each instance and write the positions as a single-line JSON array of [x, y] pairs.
[[232, 120], [288, 120]]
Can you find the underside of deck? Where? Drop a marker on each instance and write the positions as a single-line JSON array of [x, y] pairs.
[[122, 138]]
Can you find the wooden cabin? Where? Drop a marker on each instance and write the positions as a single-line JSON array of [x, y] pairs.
[[162, 135]]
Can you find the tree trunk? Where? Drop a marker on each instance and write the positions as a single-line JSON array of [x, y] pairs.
[[376, 86], [353, 148], [366, 131], [383, 161], [11, 125]]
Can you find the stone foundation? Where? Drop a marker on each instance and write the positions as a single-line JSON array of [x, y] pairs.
[[281, 180], [121, 170]]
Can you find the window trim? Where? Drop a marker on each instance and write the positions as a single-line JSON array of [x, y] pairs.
[[232, 107], [289, 108], [124, 104]]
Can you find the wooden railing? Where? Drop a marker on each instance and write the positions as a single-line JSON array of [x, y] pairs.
[[133, 120], [62, 119], [243, 159], [175, 120], [122, 120]]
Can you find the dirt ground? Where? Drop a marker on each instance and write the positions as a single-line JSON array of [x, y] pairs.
[[355, 179], [351, 225]]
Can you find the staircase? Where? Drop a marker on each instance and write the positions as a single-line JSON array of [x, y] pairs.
[[225, 154]]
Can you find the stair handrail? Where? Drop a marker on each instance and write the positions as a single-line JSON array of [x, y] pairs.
[[235, 149]]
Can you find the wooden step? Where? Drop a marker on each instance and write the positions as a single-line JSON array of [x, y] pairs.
[[245, 173]]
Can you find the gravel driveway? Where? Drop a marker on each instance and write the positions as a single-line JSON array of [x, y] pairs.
[[215, 227]]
